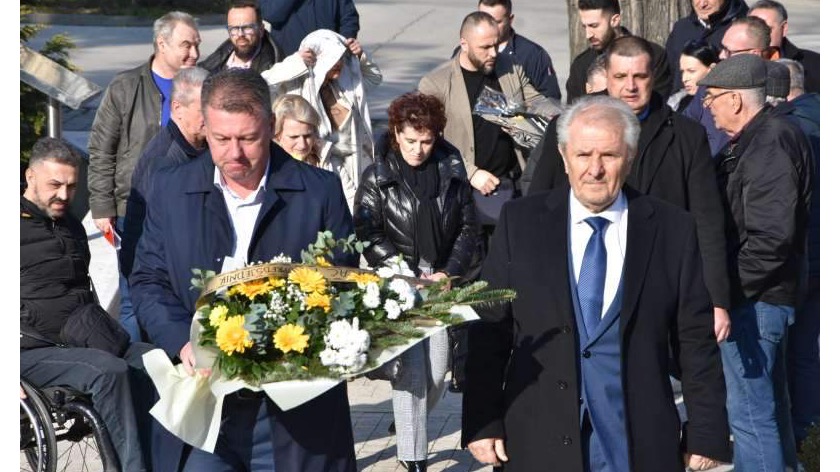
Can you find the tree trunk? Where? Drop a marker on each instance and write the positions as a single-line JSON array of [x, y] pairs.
[[649, 19]]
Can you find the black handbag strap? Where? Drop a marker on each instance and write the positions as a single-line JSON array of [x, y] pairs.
[[38, 337]]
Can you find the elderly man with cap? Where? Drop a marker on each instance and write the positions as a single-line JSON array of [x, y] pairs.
[[766, 184]]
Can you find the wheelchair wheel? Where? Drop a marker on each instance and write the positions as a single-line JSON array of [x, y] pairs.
[[83, 442], [37, 438]]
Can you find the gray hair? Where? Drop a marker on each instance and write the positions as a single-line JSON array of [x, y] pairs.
[[780, 9], [797, 74], [186, 83], [165, 25], [753, 97], [54, 149], [603, 108]]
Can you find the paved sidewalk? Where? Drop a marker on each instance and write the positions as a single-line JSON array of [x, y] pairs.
[[376, 449], [408, 38]]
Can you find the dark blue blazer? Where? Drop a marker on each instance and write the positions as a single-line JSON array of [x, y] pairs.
[[187, 226], [168, 148]]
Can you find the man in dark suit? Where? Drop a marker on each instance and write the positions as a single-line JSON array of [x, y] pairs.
[[248, 201], [673, 163], [574, 372]]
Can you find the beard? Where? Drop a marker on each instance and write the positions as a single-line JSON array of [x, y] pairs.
[[246, 51], [484, 67]]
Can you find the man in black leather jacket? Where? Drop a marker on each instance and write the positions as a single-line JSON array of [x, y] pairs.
[[54, 282]]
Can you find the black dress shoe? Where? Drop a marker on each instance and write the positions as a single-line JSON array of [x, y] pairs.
[[414, 466]]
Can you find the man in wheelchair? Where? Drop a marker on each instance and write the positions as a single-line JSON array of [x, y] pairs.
[[67, 339]]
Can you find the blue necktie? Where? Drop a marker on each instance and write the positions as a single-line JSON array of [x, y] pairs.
[[593, 274]]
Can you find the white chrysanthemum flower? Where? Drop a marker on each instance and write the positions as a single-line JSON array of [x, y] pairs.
[[282, 259], [392, 307], [405, 291], [328, 357], [385, 272], [347, 346], [371, 296]]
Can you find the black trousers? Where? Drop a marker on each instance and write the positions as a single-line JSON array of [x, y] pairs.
[[119, 387]]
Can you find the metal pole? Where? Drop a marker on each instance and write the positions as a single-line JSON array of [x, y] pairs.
[[54, 118]]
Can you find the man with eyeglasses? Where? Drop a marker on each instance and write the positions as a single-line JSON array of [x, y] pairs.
[[707, 21], [748, 35], [248, 45], [764, 173], [776, 16]]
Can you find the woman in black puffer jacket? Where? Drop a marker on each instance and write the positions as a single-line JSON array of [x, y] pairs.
[[415, 201]]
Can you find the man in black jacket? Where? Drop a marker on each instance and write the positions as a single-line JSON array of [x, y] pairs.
[[249, 45], [601, 20], [707, 21], [54, 282], [182, 140], [765, 177], [673, 163]]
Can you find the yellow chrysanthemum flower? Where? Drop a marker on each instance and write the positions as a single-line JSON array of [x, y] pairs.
[[318, 300], [276, 281], [310, 281], [291, 338], [232, 336], [217, 315], [322, 261], [363, 279], [252, 289]]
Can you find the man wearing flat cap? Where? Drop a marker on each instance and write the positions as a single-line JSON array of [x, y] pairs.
[[778, 83], [765, 178]]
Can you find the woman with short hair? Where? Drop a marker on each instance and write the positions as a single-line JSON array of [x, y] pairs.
[[415, 202]]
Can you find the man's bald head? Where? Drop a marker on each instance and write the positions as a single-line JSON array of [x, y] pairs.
[[475, 19], [479, 42]]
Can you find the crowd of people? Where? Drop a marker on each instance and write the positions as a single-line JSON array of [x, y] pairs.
[[662, 234]]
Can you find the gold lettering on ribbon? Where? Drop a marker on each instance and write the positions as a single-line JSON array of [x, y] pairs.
[[276, 269]]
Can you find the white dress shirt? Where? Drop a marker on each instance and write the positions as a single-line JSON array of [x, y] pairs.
[[243, 214], [615, 240]]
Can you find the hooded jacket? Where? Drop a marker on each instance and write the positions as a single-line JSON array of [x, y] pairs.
[[357, 75], [691, 28]]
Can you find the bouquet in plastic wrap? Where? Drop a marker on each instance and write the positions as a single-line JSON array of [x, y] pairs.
[[525, 123], [297, 330]]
